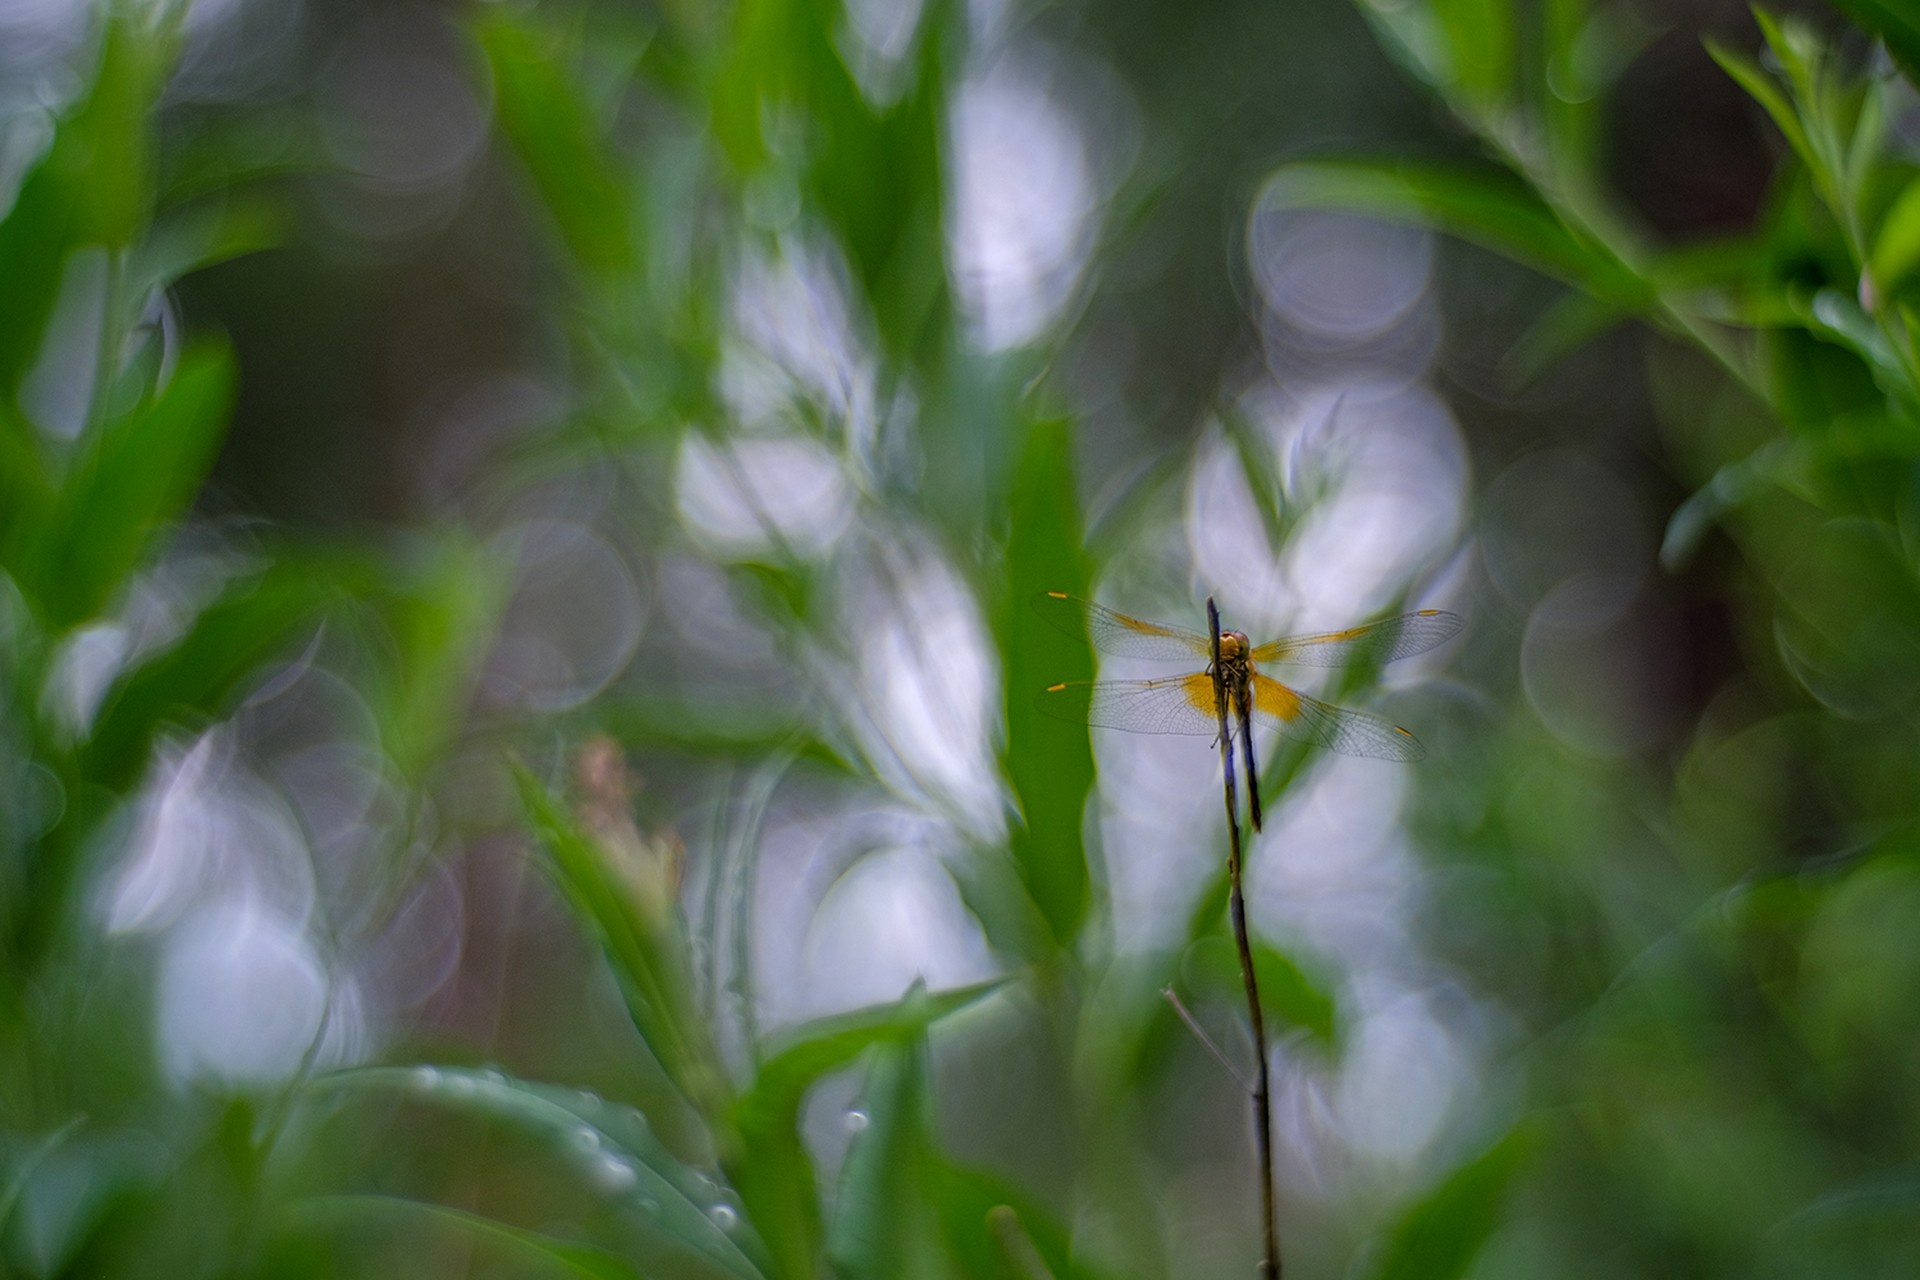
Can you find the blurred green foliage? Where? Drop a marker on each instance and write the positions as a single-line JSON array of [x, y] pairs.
[[1706, 951], [1700, 1117]]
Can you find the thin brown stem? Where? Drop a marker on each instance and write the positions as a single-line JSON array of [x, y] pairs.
[[1237, 910]]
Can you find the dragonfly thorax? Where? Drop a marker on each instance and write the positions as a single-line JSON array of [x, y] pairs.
[[1235, 669]]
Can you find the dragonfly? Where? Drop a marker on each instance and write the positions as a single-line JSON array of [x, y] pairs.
[[1186, 704]]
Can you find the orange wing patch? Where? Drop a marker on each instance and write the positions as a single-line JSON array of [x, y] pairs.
[[1276, 700], [1199, 690], [1342, 729]]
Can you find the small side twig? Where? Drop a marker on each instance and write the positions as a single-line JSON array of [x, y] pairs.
[[1206, 1041], [1237, 909]]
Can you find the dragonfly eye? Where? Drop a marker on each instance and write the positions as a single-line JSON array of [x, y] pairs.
[[1233, 644]]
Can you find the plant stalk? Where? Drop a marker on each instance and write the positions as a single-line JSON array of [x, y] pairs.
[[1237, 910]]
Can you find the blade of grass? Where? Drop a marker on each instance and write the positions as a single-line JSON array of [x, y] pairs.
[[133, 478], [543, 115], [607, 1139], [556, 1257], [644, 945], [882, 1229], [1764, 90], [1487, 207], [90, 187], [744, 873], [1050, 766], [773, 1172], [194, 680], [1439, 1236]]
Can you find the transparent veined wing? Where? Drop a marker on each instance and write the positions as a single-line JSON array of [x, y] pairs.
[[1178, 704], [1377, 642], [1118, 634], [1351, 733]]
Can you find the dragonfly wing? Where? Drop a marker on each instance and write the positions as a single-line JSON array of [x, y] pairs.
[[1377, 642], [1118, 634], [1351, 733], [1179, 704]]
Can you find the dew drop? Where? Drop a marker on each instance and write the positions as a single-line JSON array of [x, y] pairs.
[[460, 1085], [724, 1216], [857, 1120], [425, 1078], [614, 1173], [586, 1138]]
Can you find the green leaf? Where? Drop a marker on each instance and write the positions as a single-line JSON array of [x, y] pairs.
[[1412, 36], [133, 477], [873, 170], [546, 1254], [1049, 763], [90, 187], [18, 1168], [878, 177], [1731, 486], [1586, 47], [993, 887], [1260, 466], [1572, 321], [1896, 245], [27, 490], [882, 1226], [1743, 261], [1836, 316], [729, 729], [1438, 1237], [1764, 90], [615, 1151], [800, 1057], [1289, 995], [774, 1173], [540, 107], [442, 623], [1486, 207], [1798, 49], [1481, 46], [1863, 145], [756, 77], [1793, 463], [1896, 23], [994, 1229], [643, 942], [207, 233], [191, 683]]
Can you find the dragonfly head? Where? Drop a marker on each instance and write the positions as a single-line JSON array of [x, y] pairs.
[[1233, 646]]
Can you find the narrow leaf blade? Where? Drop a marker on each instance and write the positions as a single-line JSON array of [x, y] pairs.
[[1439, 1236]]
